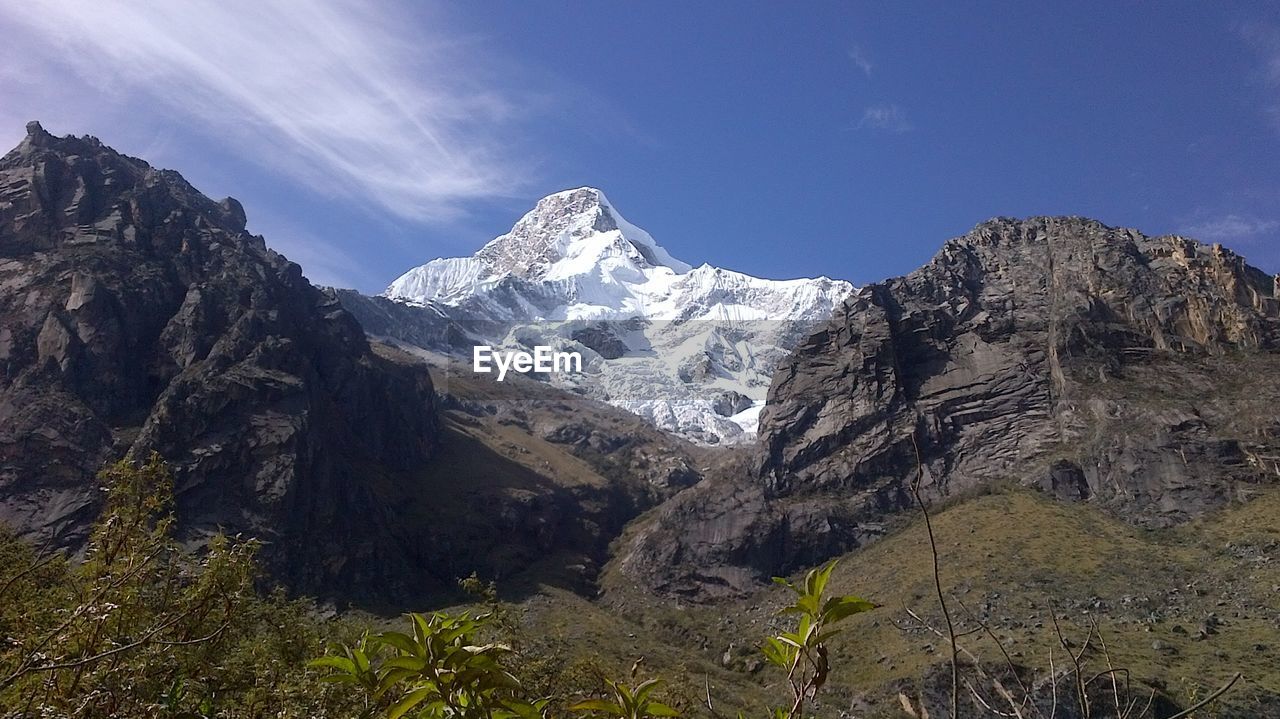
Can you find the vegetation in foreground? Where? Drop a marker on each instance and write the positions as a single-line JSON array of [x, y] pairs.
[[142, 628]]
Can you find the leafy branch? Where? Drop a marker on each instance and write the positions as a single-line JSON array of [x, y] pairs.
[[803, 653]]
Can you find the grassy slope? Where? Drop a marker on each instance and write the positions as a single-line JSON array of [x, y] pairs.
[[1007, 557]]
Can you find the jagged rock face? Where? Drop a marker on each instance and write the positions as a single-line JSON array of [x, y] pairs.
[[991, 352], [137, 315], [1096, 363]]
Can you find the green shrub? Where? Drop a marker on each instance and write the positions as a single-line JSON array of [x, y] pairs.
[[802, 653], [439, 669], [143, 628]]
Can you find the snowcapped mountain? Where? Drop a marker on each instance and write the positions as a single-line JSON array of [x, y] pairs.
[[691, 349]]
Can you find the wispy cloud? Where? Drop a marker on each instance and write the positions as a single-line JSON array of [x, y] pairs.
[[1265, 41], [1231, 228], [330, 93], [323, 262], [888, 117], [861, 60]]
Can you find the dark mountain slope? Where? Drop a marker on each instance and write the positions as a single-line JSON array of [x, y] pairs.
[[532, 484], [1137, 373], [137, 315]]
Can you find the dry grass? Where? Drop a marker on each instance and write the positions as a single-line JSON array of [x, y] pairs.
[[1008, 557]]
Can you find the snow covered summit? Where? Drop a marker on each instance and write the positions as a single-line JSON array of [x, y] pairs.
[[569, 227], [691, 349], [573, 237]]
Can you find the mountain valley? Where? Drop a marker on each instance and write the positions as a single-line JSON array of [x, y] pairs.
[[1087, 412]]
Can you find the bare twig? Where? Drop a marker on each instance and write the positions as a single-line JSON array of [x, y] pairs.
[[977, 664], [1151, 698], [942, 635], [198, 640], [1014, 706], [1008, 660], [1111, 669], [1053, 681], [1082, 696], [35, 566], [711, 707], [937, 578], [1205, 702], [144, 639], [977, 696]]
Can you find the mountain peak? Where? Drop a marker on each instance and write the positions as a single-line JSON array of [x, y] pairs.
[[584, 193], [578, 226], [584, 206], [573, 272], [36, 138]]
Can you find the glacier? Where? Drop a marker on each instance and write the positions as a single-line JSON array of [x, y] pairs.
[[690, 349]]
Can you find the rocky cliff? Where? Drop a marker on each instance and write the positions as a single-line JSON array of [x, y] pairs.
[[137, 314], [1095, 363]]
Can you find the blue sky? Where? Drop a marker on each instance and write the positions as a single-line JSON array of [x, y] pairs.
[[780, 139]]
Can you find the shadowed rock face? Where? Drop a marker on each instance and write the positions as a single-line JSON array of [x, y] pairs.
[[1095, 363], [137, 314]]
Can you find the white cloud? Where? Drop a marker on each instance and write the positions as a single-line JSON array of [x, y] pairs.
[[352, 102], [1231, 227], [888, 117], [861, 59], [1265, 41], [323, 263]]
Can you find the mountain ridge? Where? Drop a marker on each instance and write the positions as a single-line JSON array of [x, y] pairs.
[[1093, 363], [138, 315]]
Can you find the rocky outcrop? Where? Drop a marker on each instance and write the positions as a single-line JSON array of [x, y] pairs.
[[1096, 363], [137, 314], [421, 325]]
